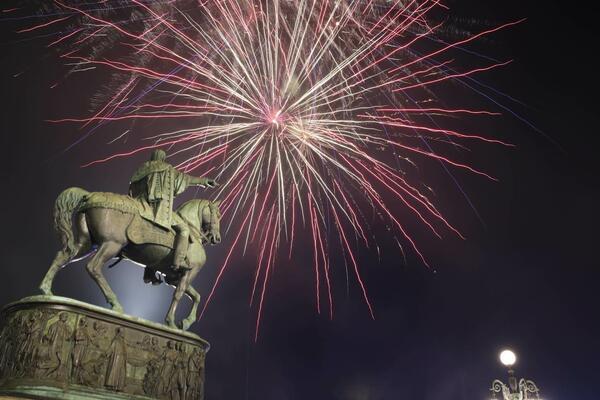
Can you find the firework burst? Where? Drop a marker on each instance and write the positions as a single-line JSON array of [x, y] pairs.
[[304, 110]]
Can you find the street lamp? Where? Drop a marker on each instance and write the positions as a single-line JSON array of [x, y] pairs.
[[522, 390]]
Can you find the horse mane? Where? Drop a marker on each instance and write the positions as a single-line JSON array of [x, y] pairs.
[[190, 208]]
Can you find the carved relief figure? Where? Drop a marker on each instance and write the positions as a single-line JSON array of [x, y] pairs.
[[20, 343], [152, 378], [92, 370], [3, 342], [33, 339], [99, 330], [178, 379], [57, 339], [45, 362], [90, 351], [81, 341], [6, 346], [195, 375], [168, 360], [116, 372], [146, 343], [20, 337], [155, 348]]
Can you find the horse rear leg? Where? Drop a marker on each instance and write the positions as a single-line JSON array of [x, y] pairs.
[[106, 251], [61, 259], [193, 315], [64, 257]]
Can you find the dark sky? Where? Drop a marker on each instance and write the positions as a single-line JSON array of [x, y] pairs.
[[526, 278]]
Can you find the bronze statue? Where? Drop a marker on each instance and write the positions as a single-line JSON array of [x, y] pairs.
[[141, 227]]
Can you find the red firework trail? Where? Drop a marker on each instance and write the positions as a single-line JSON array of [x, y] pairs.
[[300, 107]]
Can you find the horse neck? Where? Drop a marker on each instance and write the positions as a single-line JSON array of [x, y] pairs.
[[190, 212]]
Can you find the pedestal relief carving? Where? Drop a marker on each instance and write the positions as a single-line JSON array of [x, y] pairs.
[[51, 346]]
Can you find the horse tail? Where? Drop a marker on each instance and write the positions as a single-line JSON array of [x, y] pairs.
[[66, 204]]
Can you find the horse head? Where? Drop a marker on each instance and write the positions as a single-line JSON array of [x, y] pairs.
[[212, 225]]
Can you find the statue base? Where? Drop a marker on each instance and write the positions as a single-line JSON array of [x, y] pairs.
[[59, 348]]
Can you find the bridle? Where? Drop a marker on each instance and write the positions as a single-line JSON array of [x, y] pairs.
[[214, 212], [214, 220]]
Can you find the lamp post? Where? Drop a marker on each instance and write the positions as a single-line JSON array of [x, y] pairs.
[[522, 389]]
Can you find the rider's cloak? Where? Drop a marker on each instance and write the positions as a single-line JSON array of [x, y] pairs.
[[156, 184]]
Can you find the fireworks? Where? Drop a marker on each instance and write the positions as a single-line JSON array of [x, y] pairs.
[[306, 111]]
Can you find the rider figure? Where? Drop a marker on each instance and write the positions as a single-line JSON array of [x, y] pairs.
[[155, 184]]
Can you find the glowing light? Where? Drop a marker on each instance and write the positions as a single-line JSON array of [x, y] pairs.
[[508, 358], [276, 118]]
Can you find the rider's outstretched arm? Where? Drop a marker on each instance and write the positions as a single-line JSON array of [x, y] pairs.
[[202, 181]]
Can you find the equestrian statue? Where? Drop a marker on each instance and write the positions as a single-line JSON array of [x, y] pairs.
[[141, 227]]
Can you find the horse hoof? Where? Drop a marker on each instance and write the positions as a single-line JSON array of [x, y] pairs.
[[186, 324], [45, 290], [118, 308], [172, 325]]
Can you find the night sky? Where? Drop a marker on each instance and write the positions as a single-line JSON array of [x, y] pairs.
[[526, 277]]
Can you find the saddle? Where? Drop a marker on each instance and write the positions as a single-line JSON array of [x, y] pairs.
[[141, 230]]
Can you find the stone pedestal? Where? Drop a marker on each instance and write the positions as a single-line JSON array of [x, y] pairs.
[[59, 348]]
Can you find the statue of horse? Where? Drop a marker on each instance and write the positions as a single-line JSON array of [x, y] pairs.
[[108, 225]]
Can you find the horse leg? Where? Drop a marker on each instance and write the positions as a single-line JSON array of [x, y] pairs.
[[106, 251], [61, 258], [188, 289], [179, 289], [197, 261], [192, 317], [66, 256]]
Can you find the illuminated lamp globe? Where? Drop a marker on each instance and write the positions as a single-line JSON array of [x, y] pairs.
[[508, 358]]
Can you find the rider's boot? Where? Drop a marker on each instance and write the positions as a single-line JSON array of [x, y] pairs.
[[181, 246]]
